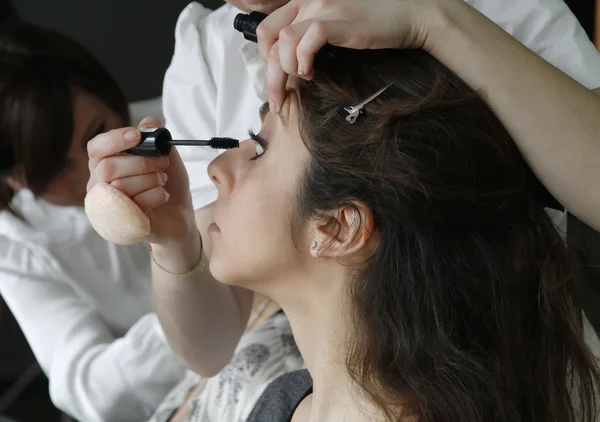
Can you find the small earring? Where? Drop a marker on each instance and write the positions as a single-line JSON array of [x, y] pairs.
[[314, 244]]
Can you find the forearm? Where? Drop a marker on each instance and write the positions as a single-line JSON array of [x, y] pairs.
[[202, 318], [554, 120]]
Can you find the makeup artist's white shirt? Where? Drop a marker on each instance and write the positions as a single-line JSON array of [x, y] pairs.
[[85, 307], [215, 83]]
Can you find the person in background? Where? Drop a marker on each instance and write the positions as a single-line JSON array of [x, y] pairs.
[[83, 304]]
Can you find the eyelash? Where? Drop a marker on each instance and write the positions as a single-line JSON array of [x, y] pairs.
[[260, 141]]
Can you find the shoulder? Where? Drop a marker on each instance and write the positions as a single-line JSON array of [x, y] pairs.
[[265, 353], [260, 358], [550, 29], [281, 397], [200, 29], [293, 385], [276, 337]]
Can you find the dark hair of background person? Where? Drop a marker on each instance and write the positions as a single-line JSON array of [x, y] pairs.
[[39, 70], [468, 310]]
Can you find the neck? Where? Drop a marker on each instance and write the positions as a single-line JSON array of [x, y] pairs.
[[320, 321]]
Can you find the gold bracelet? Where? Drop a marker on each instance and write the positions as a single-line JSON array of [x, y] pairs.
[[196, 267]]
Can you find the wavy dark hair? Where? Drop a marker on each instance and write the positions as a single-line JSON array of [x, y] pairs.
[[39, 69], [468, 310]]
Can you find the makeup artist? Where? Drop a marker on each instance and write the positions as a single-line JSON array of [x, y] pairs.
[[83, 304]]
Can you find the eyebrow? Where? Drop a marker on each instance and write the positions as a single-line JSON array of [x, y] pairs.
[[263, 111]]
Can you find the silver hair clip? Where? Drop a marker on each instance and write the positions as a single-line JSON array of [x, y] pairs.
[[356, 110]]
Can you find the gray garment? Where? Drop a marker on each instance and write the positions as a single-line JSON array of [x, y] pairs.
[[281, 398]]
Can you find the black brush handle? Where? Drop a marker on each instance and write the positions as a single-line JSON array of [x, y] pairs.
[[248, 23], [156, 142]]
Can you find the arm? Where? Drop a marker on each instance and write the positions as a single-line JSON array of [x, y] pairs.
[[554, 120], [93, 375], [549, 29], [203, 319]]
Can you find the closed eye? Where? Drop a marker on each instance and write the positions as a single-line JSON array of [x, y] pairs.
[[261, 145]]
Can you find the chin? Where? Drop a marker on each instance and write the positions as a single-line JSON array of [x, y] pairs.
[[222, 272], [227, 272]]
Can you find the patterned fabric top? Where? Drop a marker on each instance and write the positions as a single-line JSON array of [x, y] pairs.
[[262, 355]]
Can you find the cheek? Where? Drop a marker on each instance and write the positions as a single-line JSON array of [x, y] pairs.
[[255, 243]]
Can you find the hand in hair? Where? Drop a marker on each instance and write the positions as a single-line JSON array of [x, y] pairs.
[[552, 118], [290, 36], [158, 186]]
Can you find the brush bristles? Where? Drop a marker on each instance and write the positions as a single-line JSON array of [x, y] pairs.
[[224, 143]]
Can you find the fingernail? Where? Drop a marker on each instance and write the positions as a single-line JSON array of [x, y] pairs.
[[132, 136], [167, 196], [163, 178], [300, 69]]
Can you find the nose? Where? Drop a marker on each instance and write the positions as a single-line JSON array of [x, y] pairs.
[[225, 169]]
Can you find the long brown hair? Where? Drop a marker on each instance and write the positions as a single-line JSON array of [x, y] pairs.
[[468, 310], [39, 69]]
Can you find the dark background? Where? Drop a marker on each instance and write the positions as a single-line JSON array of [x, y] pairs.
[[134, 40]]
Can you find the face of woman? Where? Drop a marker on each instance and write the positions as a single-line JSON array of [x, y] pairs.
[[258, 189], [90, 117]]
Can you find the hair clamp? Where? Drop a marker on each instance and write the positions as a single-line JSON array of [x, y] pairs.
[[356, 110]]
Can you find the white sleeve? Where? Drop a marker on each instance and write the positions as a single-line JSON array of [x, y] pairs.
[[93, 375], [189, 98], [548, 28]]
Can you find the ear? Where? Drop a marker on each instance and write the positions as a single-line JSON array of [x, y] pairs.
[[344, 232]]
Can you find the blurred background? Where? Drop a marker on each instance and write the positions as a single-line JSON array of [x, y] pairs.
[[134, 40]]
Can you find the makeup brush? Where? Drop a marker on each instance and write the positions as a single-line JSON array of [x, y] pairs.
[[157, 142]]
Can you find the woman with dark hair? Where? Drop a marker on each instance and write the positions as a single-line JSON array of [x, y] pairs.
[[386, 206], [83, 304]]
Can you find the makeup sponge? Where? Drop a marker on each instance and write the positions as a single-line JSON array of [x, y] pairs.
[[115, 216]]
